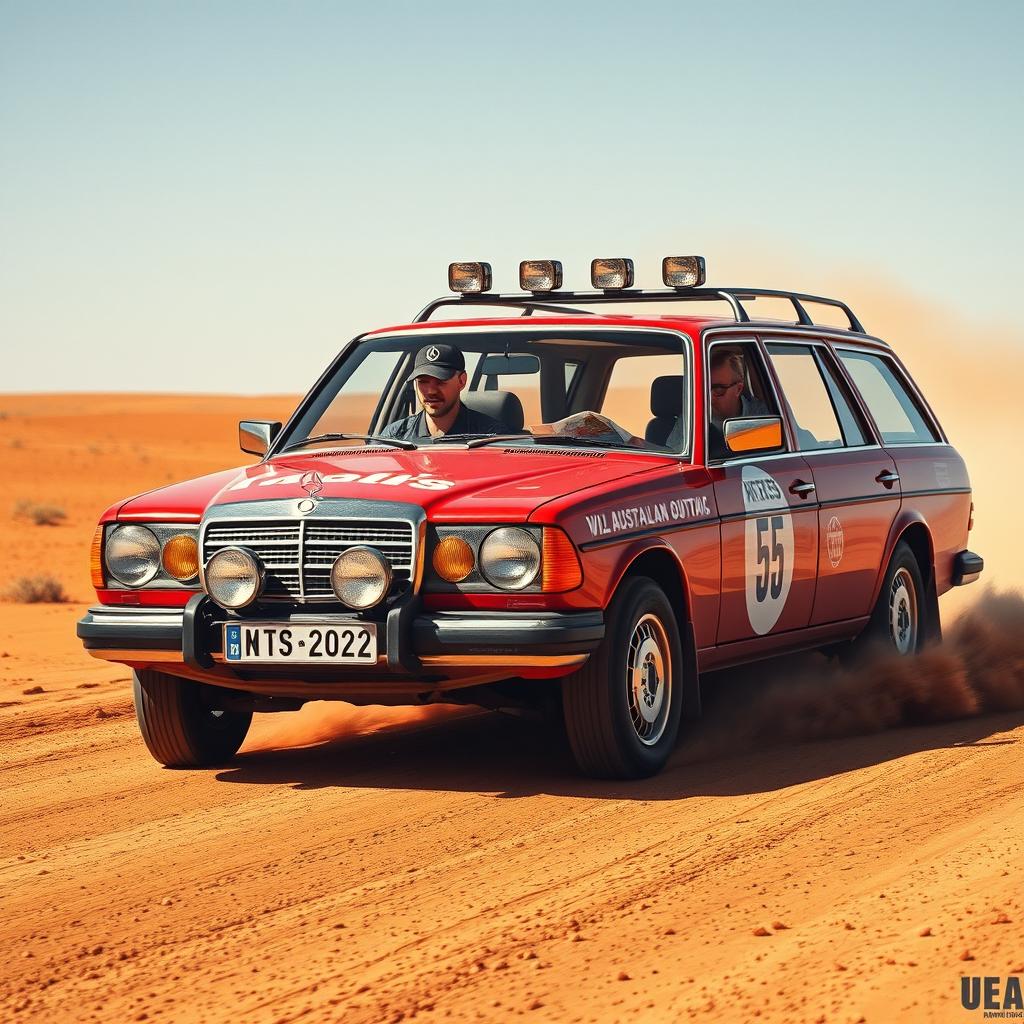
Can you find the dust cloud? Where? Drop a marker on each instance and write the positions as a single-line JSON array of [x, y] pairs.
[[978, 669]]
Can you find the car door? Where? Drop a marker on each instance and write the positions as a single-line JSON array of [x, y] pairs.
[[856, 483], [769, 524]]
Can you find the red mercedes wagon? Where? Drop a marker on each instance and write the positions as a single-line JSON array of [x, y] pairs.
[[655, 495]]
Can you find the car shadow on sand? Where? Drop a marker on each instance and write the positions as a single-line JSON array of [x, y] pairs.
[[735, 749]]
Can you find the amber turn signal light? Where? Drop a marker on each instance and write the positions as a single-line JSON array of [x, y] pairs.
[[180, 557], [453, 559], [560, 565], [96, 559]]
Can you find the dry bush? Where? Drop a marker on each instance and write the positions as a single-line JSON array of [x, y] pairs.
[[41, 515], [37, 590]]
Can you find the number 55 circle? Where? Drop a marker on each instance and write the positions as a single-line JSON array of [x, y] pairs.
[[768, 549]]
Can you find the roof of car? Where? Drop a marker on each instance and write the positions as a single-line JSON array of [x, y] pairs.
[[691, 325]]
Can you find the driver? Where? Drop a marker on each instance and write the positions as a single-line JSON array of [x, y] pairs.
[[729, 396], [439, 375]]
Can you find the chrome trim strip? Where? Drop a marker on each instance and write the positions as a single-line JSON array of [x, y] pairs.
[[509, 660]]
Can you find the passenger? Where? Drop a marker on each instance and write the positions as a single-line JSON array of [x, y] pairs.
[[439, 375], [729, 397]]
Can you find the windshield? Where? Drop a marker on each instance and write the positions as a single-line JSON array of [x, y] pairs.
[[612, 388]]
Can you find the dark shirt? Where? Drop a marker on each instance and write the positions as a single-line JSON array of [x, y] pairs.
[[468, 421]]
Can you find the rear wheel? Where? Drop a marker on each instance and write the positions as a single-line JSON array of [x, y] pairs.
[[182, 721], [898, 622], [622, 709]]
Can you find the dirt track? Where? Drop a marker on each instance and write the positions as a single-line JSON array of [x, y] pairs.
[[451, 865]]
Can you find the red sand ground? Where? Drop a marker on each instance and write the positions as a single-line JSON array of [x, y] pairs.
[[372, 865]]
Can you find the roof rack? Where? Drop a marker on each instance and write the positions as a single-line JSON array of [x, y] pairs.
[[565, 302]]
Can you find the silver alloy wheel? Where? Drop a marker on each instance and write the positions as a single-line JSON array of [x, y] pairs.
[[649, 679], [903, 618]]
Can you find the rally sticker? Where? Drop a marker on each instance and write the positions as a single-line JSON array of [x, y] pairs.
[[418, 481], [769, 549], [637, 517], [835, 541]]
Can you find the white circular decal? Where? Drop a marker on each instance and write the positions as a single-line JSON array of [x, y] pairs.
[[769, 549], [433, 352], [835, 541]]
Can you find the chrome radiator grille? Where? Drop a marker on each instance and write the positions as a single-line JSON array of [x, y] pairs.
[[298, 554]]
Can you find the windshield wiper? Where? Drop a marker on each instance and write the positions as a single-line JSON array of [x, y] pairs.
[[565, 439], [319, 438]]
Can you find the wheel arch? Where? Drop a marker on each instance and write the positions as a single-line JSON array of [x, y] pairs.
[[911, 529]]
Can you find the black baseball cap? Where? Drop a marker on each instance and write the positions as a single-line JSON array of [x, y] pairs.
[[440, 361]]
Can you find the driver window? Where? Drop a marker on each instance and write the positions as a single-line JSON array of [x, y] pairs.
[[736, 386]]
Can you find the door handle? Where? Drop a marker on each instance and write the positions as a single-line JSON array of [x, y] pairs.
[[801, 487], [888, 478]]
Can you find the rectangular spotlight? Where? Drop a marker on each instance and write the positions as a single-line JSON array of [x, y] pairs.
[[611, 275], [469, 278], [540, 275], [683, 271]]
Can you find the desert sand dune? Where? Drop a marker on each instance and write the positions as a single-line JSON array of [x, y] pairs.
[[825, 848]]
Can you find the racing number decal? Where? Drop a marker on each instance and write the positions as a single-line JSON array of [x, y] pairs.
[[768, 549], [771, 555]]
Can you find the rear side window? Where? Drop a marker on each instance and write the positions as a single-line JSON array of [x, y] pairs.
[[817, 407], [887, 398]]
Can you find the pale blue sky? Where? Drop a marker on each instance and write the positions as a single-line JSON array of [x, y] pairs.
[[215, 196]]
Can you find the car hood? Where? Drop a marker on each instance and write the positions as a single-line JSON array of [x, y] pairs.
[[455, 485]]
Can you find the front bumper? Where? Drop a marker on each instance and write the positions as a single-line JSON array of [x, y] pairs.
[[412, 641]]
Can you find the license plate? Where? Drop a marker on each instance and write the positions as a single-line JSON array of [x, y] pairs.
[[274, 643]]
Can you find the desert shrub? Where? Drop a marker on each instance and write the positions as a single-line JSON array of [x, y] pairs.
[[41, 515], [37, 590]]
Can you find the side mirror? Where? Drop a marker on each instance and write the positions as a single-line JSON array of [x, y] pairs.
[[753, 434], [256, 436]]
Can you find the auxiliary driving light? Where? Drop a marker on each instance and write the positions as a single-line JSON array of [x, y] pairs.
[[509, 558], [453, 559], [132, 555], [540, 275], [234, 577], [469, 278], [683, 271], [180, 557], [360, 577], [611, 275]]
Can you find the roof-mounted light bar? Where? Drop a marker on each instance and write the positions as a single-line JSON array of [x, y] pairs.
[[540, 275], [683, 271], [469, 278], [612, 274]]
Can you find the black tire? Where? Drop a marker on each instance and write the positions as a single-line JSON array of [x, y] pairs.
[[898, 623], [619, 725], [182, 724]]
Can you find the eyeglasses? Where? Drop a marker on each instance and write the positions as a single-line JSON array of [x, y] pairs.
[[718, 390]]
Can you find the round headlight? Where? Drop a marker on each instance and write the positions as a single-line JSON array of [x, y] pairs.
[[132, 554], [180, 557], [360, 577], [234, 577], [509, 558]]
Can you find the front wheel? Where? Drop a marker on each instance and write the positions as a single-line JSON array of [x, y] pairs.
[[622, 709], [182, 722]]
